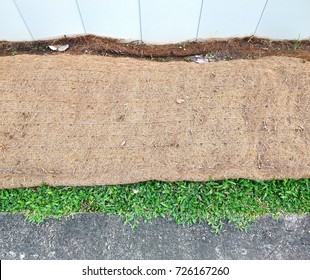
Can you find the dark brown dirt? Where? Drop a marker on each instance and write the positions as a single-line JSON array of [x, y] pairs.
[[93, 120], [237, 48]]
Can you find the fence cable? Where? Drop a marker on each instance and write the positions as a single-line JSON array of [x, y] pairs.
[[140, 21], [81, 17], [260, 18], [23, 19], [201, 7]]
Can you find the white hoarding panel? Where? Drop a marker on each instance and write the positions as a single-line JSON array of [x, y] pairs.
[[286, 19], [111, 18], [223, 19], [51, 18], [169, 21], [12, 26]]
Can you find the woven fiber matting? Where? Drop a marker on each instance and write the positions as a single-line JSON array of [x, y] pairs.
[[93, 120]]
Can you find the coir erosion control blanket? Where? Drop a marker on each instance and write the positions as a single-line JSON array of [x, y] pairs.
[[93, 120]]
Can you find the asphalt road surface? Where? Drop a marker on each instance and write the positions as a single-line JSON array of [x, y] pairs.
[[98, 236]]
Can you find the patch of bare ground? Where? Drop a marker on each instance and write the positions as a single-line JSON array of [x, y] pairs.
[[235, 48]]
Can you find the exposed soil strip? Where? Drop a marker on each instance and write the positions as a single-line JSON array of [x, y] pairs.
[[92, 120], [236, 48]]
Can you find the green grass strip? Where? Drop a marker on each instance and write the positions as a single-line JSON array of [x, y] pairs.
[[239, 201]]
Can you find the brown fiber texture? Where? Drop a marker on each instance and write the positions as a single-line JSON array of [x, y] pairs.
[[92, 120]]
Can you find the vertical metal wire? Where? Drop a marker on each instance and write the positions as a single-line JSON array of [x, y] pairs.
[[201, 7], [140, 21], [23, 19], [260, 18], [78, 7]]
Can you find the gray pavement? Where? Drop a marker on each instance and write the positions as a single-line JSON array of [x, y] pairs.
[[98, 236]]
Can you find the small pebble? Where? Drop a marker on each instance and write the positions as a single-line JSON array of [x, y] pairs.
[[180, 100]]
